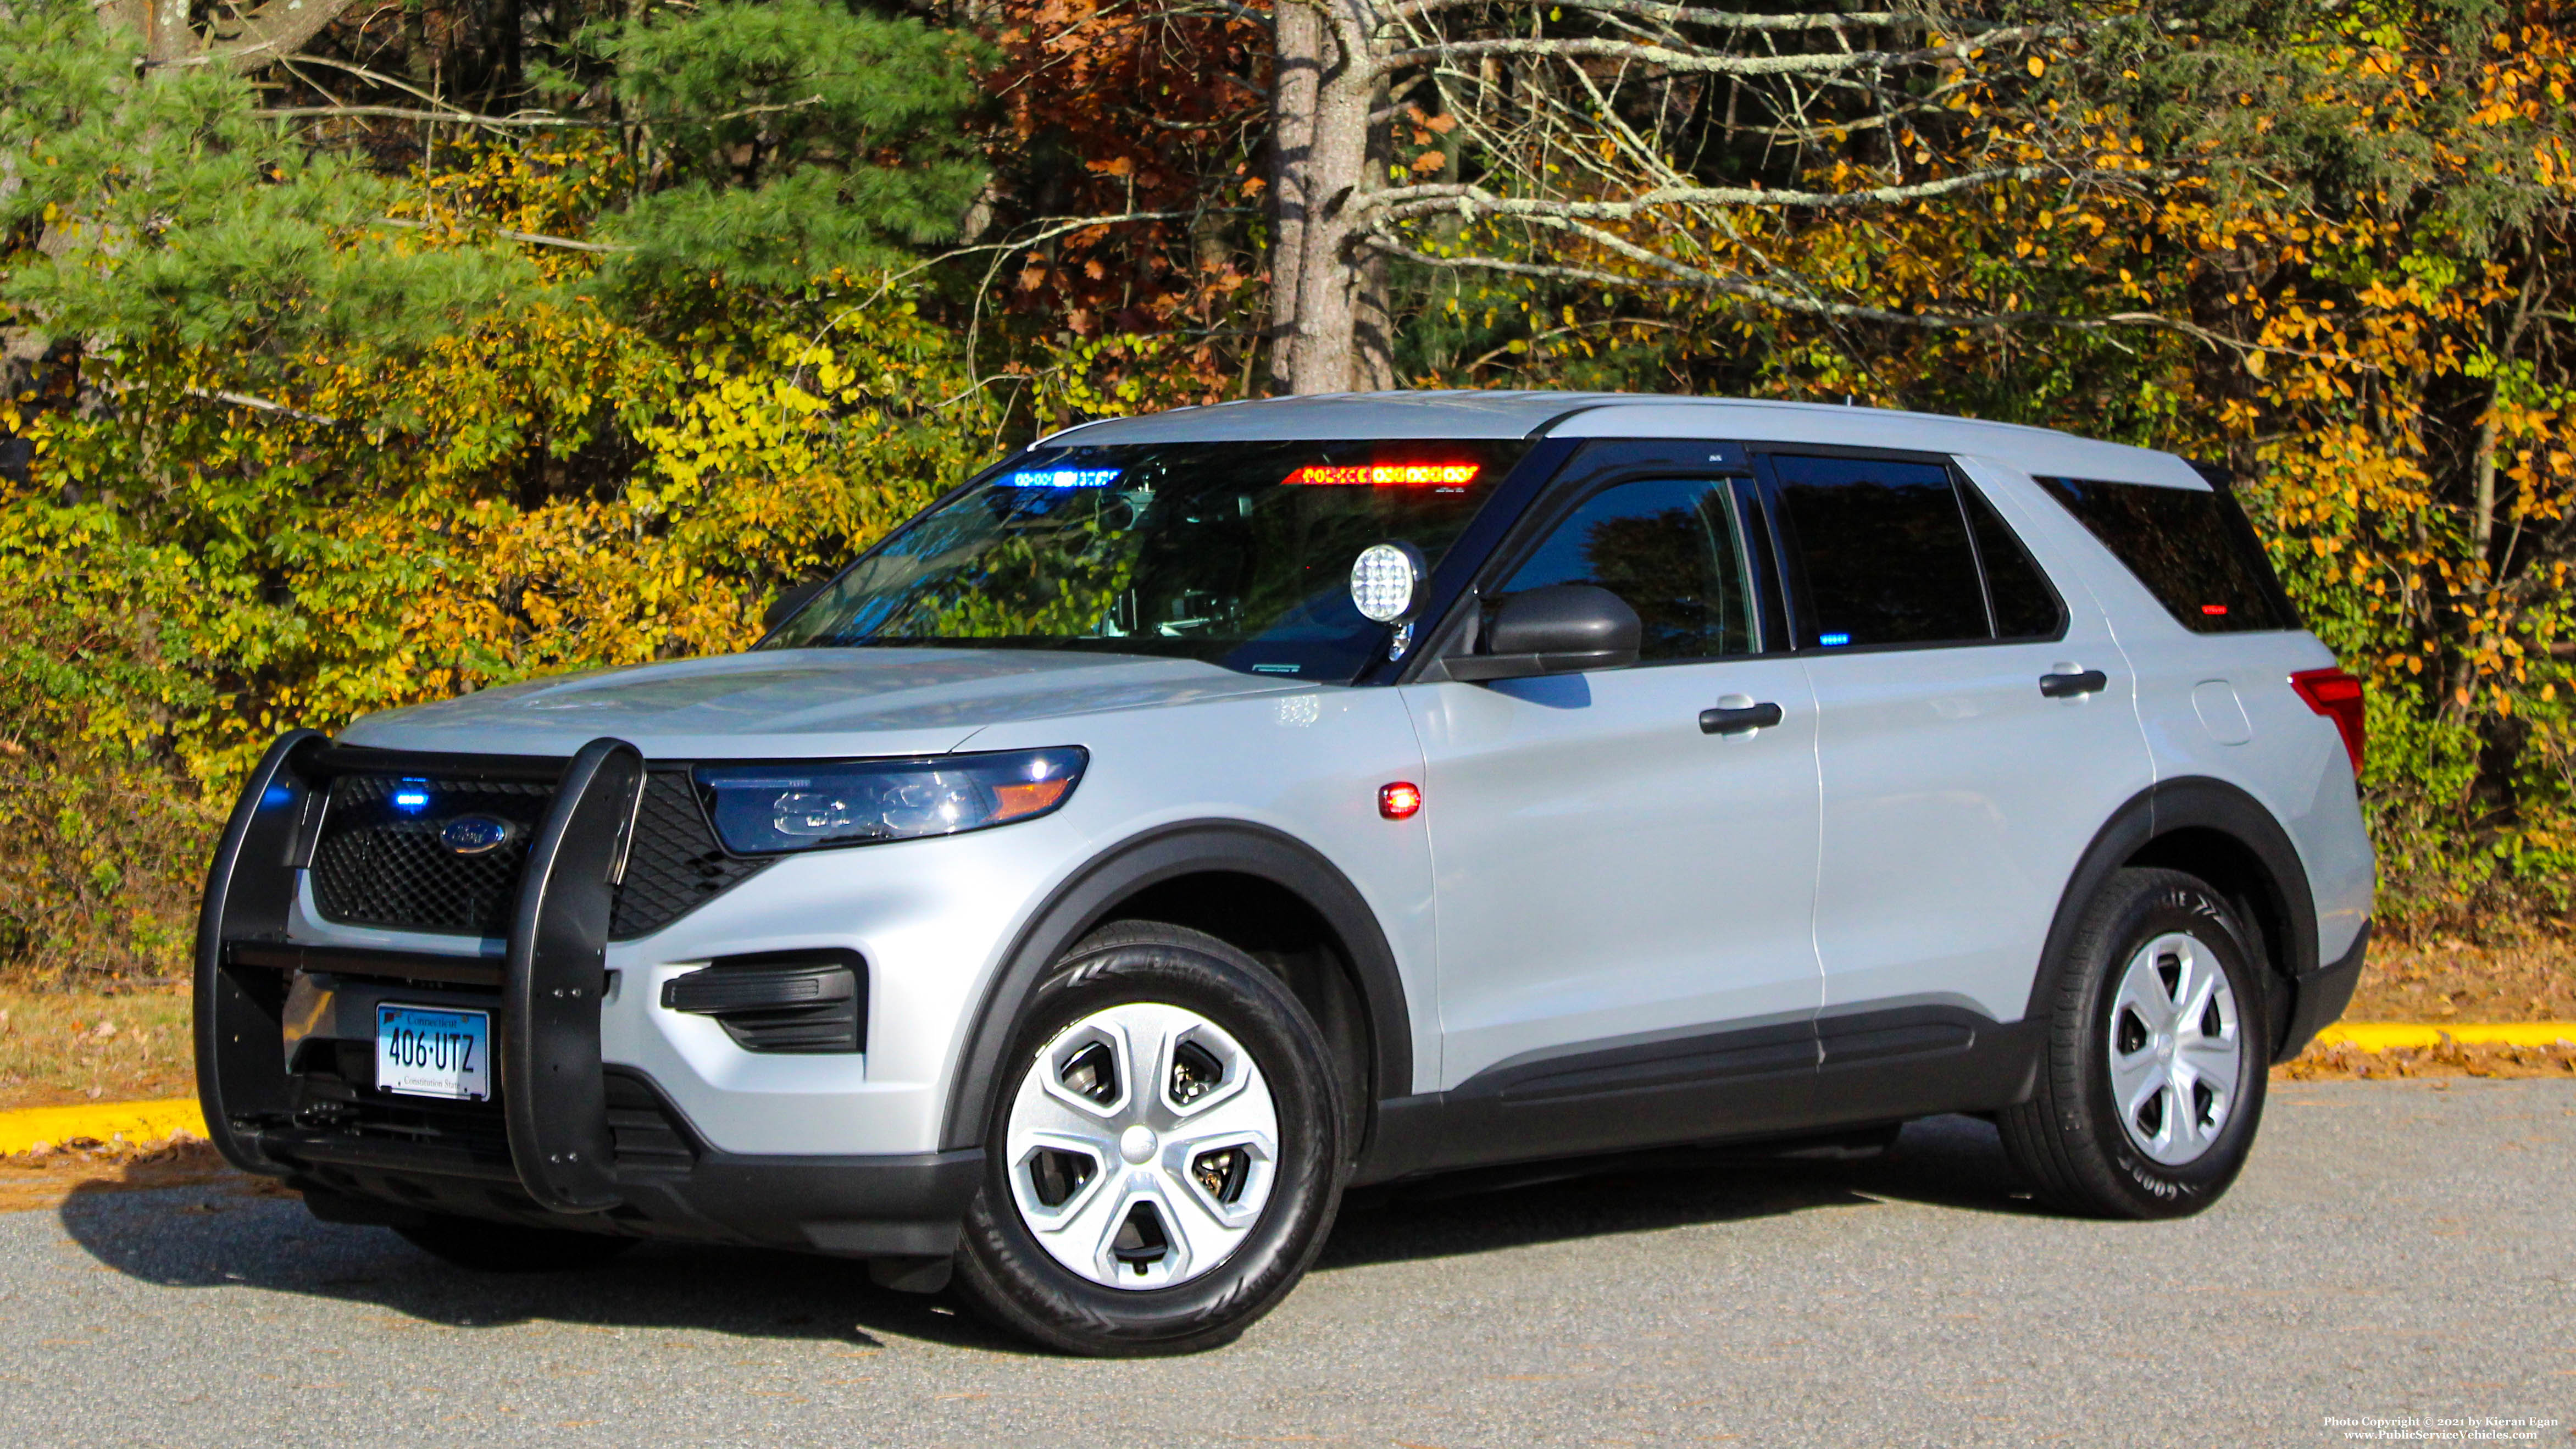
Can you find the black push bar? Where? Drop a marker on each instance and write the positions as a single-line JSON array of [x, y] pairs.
[[552, 1088]]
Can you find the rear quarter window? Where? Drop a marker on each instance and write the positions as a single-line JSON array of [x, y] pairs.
[[2193, 550]]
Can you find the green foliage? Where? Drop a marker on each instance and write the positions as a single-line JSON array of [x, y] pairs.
[[315, 436], [293, 464], [794, 138], [167, 210]]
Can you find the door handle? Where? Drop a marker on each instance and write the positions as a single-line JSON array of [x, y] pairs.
[[2068, 686], [1726, 720]]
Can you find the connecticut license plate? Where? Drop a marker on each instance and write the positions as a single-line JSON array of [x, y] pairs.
[[421, 1052]]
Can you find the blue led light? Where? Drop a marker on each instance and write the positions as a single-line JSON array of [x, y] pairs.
[[1062, 478], [275, 797], [411, 796], [1830, 640]]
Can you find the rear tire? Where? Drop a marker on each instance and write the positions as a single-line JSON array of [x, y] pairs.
[[488, 1247], [2157, 1055], [1162, 1160]]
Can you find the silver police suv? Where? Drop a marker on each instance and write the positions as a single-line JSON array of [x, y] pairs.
[[1194, 816]]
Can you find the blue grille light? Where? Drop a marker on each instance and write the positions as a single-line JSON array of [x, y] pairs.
[[411, 796], [1830, 640], [275, 797], [1062, 478]]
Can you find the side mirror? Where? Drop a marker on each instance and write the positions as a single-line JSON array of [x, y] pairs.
[[1561, 629], [788, 602]]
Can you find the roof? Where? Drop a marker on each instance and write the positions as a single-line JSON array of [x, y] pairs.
[[1633, 415]]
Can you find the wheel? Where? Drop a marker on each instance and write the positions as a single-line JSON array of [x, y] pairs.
[[488, 1247], [1161, 1159], [2156, 1056]]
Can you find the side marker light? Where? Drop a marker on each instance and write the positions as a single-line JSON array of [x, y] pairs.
[[1399, 801]]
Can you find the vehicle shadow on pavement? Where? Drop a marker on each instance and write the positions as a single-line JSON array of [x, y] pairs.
[[209, 1238], [241, 1234], [1955, 1162]]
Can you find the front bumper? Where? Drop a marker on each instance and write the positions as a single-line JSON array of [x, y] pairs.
[[861, 1207], [567, 1141]]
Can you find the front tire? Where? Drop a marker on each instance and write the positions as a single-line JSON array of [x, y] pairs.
[[2156, 1061], [1161, 1158]]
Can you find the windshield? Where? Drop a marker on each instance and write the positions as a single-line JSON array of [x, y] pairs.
[[1235, 553]]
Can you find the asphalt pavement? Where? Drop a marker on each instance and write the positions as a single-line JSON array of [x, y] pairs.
[[2396, 1252]]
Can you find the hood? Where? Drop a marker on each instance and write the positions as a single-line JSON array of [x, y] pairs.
[[794, 703]]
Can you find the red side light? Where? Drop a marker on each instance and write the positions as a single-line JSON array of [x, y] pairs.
[[1399, 801], [2215, 611], [1385, 475], [2337, 696]]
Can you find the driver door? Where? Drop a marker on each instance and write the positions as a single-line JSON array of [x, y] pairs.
[[1624, 898]]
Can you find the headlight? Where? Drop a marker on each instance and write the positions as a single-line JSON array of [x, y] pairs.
[[766, 809]]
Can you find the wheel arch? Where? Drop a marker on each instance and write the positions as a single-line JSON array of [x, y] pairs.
[[1244, 884], [2218, 832]]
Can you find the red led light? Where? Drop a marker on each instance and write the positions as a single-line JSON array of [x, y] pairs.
[[1385, 475], [1399, 801], [2213, 610]]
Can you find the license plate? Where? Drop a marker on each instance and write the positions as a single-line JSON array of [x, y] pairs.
[[422, 1052]]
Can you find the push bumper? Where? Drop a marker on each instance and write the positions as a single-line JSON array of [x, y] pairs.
[[567, 1142]]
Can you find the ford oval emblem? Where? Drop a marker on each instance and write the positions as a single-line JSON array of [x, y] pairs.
[[475, 834]]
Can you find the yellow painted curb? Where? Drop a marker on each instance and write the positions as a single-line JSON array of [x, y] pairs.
[[139, 1121], [2379, 1036]]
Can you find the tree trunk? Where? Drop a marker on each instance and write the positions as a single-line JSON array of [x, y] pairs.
[[419, 66], [249, 35], [1297, 71], [1325, 355], [1373, 325]]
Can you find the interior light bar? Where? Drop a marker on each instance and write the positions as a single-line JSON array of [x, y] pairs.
[[1062, 478], [1384, 475]]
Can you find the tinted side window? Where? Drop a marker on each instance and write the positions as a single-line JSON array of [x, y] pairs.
[[2025, 606], [2192, 549], [1671, 548], [1884, 551]]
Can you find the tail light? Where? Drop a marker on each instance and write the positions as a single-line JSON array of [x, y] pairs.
[[2337, 696]]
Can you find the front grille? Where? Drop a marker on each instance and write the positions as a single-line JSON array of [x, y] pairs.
[[337, 1102], [377, 864], [673, 866], [647, 1132], [337, 1098]]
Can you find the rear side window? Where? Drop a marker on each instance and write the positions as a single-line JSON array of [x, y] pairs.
[[1887, 553], [2192, 549], [2025, 606]]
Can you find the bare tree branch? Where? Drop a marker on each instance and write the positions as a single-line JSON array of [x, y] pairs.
[[1812, 306], [408, 113], [1701, 62], [529, 237], [1403, 202], [261, 404], [1688, 15]]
